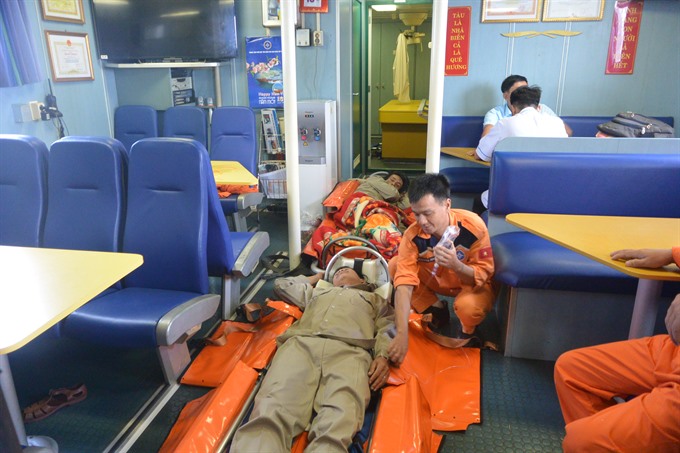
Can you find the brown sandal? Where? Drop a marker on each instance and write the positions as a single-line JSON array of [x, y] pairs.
[[57, 399]]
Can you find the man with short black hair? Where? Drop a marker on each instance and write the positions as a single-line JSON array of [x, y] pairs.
[[510, 84], [526, 121], [463, 269]]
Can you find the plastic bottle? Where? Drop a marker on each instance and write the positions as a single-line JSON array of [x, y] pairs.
[[450, 235]]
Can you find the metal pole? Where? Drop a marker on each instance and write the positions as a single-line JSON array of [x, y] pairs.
[[288, 13], [437, 56]]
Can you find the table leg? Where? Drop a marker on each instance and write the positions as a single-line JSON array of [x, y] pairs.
[[645, 309], [15, 421]]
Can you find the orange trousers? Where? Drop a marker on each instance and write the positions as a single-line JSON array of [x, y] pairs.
[[587, 379], [470, 304]]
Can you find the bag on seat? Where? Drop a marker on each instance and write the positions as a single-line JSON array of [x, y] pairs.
[[629, 124]]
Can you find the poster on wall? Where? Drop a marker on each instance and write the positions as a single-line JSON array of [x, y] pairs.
[[624, 37], [457, 41], [265, 72]]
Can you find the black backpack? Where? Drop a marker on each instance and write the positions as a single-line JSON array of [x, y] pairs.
[[629, 124]]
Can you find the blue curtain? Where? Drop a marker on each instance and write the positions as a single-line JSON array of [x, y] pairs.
[[18, 57]]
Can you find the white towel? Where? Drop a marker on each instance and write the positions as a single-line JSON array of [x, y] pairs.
[[400, 71]]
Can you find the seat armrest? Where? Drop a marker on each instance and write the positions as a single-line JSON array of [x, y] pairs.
[[246, 200], [174, 324], [251, 253]]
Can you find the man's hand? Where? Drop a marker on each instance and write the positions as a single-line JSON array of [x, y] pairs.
[[378, 373], [447, 257], [398, 348], [650, 258], [673, 320]]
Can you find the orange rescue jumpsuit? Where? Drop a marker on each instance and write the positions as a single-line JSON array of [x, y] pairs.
[[587, 379], [414, 264]]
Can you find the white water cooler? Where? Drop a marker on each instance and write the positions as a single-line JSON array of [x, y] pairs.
[[318, 151]]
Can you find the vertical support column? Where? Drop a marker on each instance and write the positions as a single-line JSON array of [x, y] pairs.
[[434, 116], [288, 12]]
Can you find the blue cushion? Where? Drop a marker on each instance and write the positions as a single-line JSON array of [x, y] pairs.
[[467, 179], [524, 260], [461, 131], [587, 184], [126, 318]]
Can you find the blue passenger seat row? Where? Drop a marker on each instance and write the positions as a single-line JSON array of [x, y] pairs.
[[232, 132], [160, 202]]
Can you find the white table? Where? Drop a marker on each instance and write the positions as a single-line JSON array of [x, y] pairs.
[[38, 288]]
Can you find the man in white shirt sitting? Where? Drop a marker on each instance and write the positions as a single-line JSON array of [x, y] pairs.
[[526, 121], [510, 84]]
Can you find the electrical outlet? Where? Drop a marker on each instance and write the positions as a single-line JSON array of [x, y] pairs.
[[35, 109], [317, 38]]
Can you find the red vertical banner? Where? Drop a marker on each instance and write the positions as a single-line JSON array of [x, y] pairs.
[[624, 37], [458, 41]]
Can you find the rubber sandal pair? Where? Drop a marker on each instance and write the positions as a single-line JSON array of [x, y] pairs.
[[56, 400]]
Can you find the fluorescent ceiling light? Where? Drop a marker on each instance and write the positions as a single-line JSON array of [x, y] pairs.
[[384, 7], [399, 1]]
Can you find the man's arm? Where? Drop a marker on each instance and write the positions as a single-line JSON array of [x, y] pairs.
[[487, 129], [487, 144], [296, 290], [402, 308]]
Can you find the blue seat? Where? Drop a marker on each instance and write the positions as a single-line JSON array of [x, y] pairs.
[[23, 190], [134, 122], [86, 189], [231, 255], [467, 179], [233, 136], [165, 301], [186, 122]]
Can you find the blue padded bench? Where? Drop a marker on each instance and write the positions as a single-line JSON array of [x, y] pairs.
[[468, 179], [557, 296]]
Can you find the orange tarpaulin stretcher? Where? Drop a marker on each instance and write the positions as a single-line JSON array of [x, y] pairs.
[[436, 388]]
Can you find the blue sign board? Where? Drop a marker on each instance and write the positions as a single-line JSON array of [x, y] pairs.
[[265, 72]]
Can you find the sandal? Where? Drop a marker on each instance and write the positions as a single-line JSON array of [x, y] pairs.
[[57, 399]]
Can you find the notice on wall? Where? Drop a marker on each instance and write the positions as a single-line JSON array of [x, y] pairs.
[[624, 37], [264, 68], [458, 41]]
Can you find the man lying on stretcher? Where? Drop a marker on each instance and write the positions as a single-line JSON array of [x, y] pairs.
[[391, 188], [325, 366]]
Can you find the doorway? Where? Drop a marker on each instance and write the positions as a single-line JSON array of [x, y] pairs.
[[414, 21]]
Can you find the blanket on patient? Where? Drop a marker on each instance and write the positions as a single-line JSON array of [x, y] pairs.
[[379, 222]]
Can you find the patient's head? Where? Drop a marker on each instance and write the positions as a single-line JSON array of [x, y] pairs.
[[346, 276], [398, 179]]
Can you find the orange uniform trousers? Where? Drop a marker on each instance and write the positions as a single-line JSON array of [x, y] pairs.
[[470, 304], [587, 379]]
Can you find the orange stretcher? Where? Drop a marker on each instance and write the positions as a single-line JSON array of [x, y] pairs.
[[436, 388]]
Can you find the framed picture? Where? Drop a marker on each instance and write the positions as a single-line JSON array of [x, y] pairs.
[[63, 10], [511, 10], [313, 6], [69, 56], [572, 10], [271, 13]]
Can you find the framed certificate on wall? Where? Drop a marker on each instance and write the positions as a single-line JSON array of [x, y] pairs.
[[572, 10], [70, 58], [511, 10], [63, 10]]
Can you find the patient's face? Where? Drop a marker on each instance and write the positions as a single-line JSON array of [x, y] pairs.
[[395, 181], [346, 277], [432, 215]]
